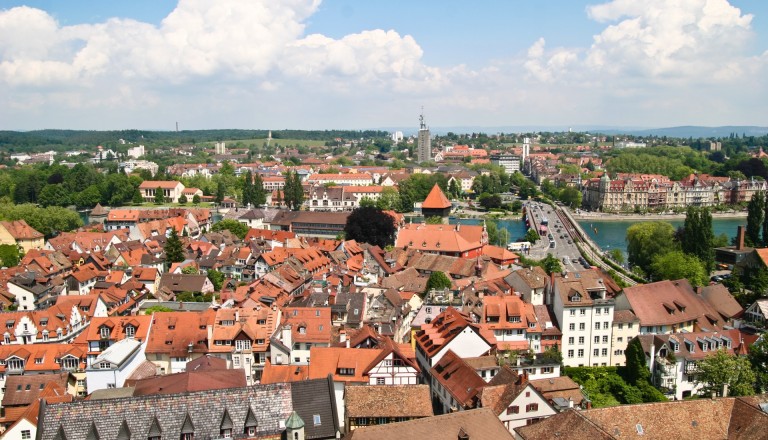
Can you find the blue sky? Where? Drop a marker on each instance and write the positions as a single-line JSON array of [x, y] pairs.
[[374, 63]]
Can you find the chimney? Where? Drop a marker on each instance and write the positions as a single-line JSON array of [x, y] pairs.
[[740, 237], [463, 434], [725, 390]]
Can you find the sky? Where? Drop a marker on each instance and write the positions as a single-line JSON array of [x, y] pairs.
[[363, 64]]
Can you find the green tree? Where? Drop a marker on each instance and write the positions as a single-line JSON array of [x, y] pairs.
[[174, 249], [88, 197], [454, 190], [159, 196], [551, 264], [259, 193], [53, 195], [675, 265], [698, 237], [532, 236], [636, 369], [617, 255], [220, 193], [189, 270], [371, 225], [367, 202], [389, 199], [248, 190], [755, 217], [217, 279], [44, 220], [196, 199], [758, 357], [489, 201], [645, 240], [298, 192], [137, 199], [182, 200], [571, 197], [720, 369], [233, 226], [9, 255], [158, 308], [438, 281]]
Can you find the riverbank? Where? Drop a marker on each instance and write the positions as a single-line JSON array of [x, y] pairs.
[[603, 216]]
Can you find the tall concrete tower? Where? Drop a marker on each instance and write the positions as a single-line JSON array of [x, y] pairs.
[[424, 146]]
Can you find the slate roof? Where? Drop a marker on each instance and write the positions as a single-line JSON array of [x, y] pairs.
[[204, 412]]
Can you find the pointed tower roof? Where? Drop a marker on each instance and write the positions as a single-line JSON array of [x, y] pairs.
[[99, 210], [436, 199], [294, 421]]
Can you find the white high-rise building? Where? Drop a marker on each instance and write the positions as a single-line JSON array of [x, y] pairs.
[[424, 146]]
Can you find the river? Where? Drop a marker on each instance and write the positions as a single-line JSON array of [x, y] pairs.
[[612, 234]]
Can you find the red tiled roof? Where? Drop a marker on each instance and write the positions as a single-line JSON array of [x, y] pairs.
[[436, 199]]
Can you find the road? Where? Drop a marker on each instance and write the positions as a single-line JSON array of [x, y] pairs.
[[564, 249]]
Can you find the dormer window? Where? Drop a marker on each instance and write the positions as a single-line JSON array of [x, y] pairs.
[[130, 331], [514, 319], [104, 332], [302, 330]]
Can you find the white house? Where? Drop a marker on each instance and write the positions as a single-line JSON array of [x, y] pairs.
[[112, 366], [585, 313]]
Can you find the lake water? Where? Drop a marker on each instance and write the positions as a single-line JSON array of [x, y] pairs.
[[612, 234]]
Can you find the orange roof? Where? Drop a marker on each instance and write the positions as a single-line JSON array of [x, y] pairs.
[[154, 184], [329, 360], [283, 373], [436, 199], [20, 230]]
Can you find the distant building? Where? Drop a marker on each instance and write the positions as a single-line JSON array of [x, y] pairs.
[[436, 204], [424, 146], [510, 162]]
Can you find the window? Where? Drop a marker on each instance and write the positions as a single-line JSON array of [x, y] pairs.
[[105, 365], [130, 331], [187, 436], [514, 409], [605, 352], [582, 312], [250, 431], [573, 312], [629, 325], [38, 361], [379, 381], [621, 326], [582, 326], [606, 310], [620, 339], [26, 434], [572, 326], [316, 419], [346, 371], [545, 370], [597, 339], [297, 359], [606, 324], [110, 385], [581, 352], [243, 344], [605, 339], [236, 361], [225, 433], [570, 353], [597, 311], [531, 407], [104, 332], [596, 352], [597, 326], [581, 340], [570, 340]]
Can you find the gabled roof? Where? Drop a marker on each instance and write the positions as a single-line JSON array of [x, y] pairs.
[[443, 329], [459, 379], [701, 418], [436, 199], [20, 230], [474, 424], [388, 401]]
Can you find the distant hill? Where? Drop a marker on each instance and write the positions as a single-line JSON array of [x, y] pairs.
[[694, 131], [680, 132]]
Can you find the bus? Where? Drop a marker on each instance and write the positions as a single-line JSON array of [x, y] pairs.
[[519, 246]]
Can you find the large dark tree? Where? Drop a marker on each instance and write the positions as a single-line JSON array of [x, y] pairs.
[[755, 216], [174, 250], [248, 194], [438, 281], [371, 225], [259, 194], [698, 238]]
